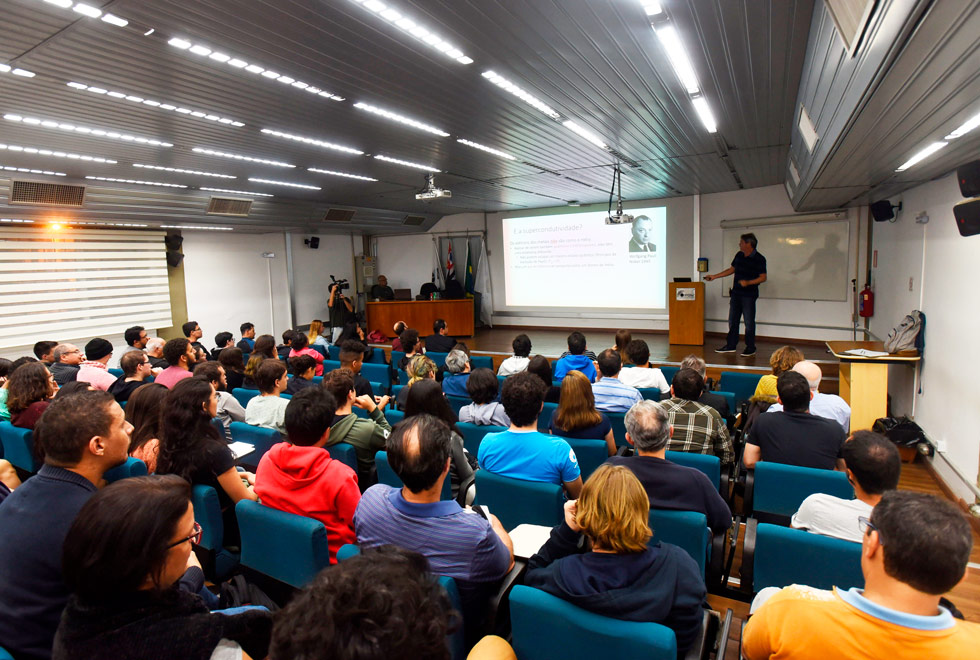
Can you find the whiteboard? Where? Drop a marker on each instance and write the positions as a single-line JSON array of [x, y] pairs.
[[805, 261]]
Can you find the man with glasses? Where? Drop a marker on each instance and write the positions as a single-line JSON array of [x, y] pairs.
[[914, 549], [136, 367], [66, 357]]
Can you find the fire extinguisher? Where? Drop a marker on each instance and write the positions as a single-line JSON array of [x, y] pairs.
[[866, 303]]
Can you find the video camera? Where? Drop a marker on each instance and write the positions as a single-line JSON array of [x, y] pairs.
[[341, 285]]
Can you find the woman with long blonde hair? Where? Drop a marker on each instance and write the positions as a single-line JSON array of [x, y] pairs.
[[316, 334], [418, 368], [617, 572], [576, 415]]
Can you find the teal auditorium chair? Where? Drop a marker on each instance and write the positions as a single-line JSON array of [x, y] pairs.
[[515, 501], [115, 372], [283, 546], [473, 435], [394, 416], [544, 417], [133, 467], [438, 358], [457, 403], [650, 393], [5, 655], [378, 373], [742, 385], [333, 352], [344, 453], [481, 362], [386, 475], [687, 530], [18, 447], [322, 350], [618, 421], [395, 389], [218, 562], [243, 396], [377, 357], [669, 373], [729, 399], [259, 437], [710, 465], [774, 491], [330, 365], [590, 454], [403, 377], [776, 556]]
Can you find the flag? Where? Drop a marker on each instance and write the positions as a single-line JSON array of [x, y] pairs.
[[450, 266], [437, 277], [484, 287], [468, 284]]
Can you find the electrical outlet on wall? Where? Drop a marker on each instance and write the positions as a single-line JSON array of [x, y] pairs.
[[942, 446], [910, 283]]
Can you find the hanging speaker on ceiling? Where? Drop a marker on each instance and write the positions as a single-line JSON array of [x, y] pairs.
[[883, 210], [968, 177], [967, 216]]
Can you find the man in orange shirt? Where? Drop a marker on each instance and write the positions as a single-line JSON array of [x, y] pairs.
[[915, 548]]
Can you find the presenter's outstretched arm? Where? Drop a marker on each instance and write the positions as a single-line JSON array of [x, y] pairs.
[[725, 273]]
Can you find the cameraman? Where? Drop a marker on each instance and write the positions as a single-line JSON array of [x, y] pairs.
[[341, 310]]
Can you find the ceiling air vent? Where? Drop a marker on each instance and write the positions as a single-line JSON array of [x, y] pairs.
[[229, 206], [338, 215], [414, 220], [36, 192]]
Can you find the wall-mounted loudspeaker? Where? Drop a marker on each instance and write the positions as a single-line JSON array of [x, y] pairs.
[[883, 210], [968, 177], [173, 243], [967, 216], [313, 242]]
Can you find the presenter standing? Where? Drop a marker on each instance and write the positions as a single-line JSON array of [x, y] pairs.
[[749, 268]]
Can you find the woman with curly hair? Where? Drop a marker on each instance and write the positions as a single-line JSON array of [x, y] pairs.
[[29, 392], [782, 359]]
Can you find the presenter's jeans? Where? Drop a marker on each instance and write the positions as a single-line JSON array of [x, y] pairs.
[[741, 307]]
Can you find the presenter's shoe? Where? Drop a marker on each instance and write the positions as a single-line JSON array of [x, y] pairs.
[[748, 352], [725, 349]]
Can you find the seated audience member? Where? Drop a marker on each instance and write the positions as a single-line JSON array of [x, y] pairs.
[[485, 410], [781, 360], [352, 357], [299, 476], [135, 366], [5, 365], [154, 350], [354, 332], [181, 357], [575, 359], [192, 331], [426, 398], [247, 342], [873, 467], [265, 346], [587, 353], [367, 435], [439, 341], [716, 401], [420, 368], [381, 290], [623, 339], [82, 436], [71, 389], [914, 549], [251, 368], [303, 368], [398, 329], [268, 409], [66, 357], [283, 349], [301, 346], [459, 543], [458, 366], [830, 406], [697, 428], [143, 413], [411, 345], [222, 340], [228, 409], [621, 577], [611, 394], [794, 436], [318, 334], [522, 452], [540, 367], [29, 393], [576, 415], [44, 352], [9, 481], [135, 339], [668, 485], [461, 346], [231, 360], [95, 369], [124, 557], [642, 374], [519, 360]]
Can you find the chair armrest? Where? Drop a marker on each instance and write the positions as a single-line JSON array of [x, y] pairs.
[[741, 636], [714, 571], [724, 483], [498, 613], [747, 498], [748, 556], [703, 646], [723, 632], [732, 545], [623, 451], [466, 486]]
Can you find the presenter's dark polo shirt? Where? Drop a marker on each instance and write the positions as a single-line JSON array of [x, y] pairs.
[[747, 268], [795, 438]]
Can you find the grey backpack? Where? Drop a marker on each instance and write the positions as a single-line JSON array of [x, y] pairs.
[[906, 336]]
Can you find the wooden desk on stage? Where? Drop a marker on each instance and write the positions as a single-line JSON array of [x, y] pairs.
[[864, 381], [420, 314]]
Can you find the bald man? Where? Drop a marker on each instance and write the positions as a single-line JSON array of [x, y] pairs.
[[830, 406]]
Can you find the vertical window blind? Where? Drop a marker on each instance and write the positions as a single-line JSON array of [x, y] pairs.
[[79, 283]]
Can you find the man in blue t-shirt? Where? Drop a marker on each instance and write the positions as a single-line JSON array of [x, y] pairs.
[[578, 358], [522, 452], [749, 268]]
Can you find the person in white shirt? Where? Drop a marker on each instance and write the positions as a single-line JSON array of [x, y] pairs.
[[830, 406], [873, 468], [519, 361], [269, 409], [229, 410], [642, 375]]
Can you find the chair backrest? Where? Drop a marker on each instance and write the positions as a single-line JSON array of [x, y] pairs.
[[473, 434], [515, 501], [396, 357], [590, 454], [545, 626], [269, 536], [403, 377], [742, 385], [729, 399], [317, 380], [18, 447], [243, 396], [438, 358], [115, 372], [379, 373], [650, 393], [344, 453], [5, 654], [207, 514], [377, 388], [710, 465], [618, 421], [259, 437], [333, 352], [457, 403], [394, 416], [133, 467], [780, 489], [481, 362], [669, 373], [544, 417], [785, 556], [687, 530], [377, 356], [395, 389], [330, 365], [387, 476]]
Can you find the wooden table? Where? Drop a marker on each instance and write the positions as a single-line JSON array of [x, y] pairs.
[[420, 314], [864, 381]]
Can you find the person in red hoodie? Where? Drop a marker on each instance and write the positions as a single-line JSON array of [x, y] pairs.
[[299, 476]]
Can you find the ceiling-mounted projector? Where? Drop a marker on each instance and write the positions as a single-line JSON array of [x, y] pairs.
[[429, 191], [617, 218]]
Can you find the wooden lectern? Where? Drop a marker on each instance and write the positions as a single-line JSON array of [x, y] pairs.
[[686, 310]]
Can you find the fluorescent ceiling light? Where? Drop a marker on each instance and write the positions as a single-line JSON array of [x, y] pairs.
[[23, 72], [183, 171], [107, 224], [87, 10], [177, 42], [283, 183], [965, 128], [200, 50], [306, 140], [528, 98], [922, 155], [344, 174], [84, 130], [64, 4], [652, 8], [238, 192], [112, 19], [482, 147], [401, 119], [678, 57], [4, 68], [30, 171], [704, 112], [407, 163], [585, 133], [411, 27], [222, 154], [142, 183], [202, 227], [155, 104], [56, 154]]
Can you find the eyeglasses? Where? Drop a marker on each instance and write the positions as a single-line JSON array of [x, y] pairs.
[[194, 538], [865, 525]]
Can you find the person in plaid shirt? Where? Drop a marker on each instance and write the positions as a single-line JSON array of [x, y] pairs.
[[698, 428]]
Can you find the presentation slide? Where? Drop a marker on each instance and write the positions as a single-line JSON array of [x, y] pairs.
[[578, 260]]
